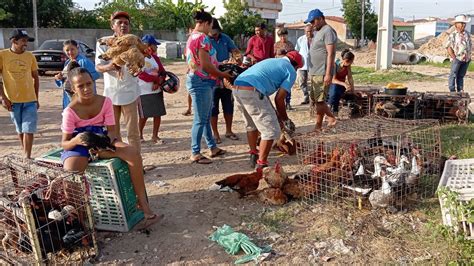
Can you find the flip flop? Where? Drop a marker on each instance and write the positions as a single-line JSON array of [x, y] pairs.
[[187, 113], [218, 141], [201, 160], [151, 221], [218, 153], [232, 136]]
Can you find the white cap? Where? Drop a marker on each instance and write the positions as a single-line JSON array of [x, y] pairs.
[[462, 19]]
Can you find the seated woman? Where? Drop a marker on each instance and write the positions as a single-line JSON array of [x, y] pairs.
[[339, 84], [89, 112]]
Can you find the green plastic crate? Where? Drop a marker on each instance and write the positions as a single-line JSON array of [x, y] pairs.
[[113, 198]]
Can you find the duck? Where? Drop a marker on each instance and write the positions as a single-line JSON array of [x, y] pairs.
[[379, 160], [381, 198]]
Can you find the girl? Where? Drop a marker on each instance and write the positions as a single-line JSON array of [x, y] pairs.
[[201, 78], [151, 102], [339, 84], [71, 49], [89, 112]]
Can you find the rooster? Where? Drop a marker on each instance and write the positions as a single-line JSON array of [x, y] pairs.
[[333, 163], [315, 157], [275, 176], [242, 183]]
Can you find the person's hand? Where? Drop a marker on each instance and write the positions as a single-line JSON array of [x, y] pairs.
[[77, 140], [327, 80], [7, 104], [155, 87], [348, 87], [58, 76], [37, 105], [112, 67], [227, 75]]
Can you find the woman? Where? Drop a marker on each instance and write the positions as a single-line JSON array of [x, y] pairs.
[[201, 78], [339, 84], [281, 48], [151, 103], [89, 112], [71, 49]]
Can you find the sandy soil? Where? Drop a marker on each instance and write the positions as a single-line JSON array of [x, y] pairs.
[[191, 210]]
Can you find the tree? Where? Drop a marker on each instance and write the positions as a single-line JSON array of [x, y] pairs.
[[4, 14], [353, 13], [238, 19], [135, 8], [87, 19]]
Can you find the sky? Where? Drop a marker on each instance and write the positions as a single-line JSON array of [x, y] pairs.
[[295, 10]]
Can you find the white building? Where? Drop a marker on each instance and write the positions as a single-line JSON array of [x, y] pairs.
[[429, 27]]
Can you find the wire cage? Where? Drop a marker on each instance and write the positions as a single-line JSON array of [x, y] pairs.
[[445, 106], [357, 104], [397, 106], [372, 162], [45, 216]]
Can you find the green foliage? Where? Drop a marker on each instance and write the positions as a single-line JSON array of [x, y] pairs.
[[470, 68], [366, 75], [238, 19], [458, 140], [19, 13], [166, 15], [353, 13], [105, 8], [87, 19]]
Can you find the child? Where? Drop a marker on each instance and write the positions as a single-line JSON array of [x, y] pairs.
[[89, 112], [151, 102], [339, 84], [71, 49]]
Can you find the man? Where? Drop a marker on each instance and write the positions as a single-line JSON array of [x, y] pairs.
[[260, 46], [459, 47], [322, 53], [123, 91], [20, 92], [252, 89], [223, 45], [302, 46]]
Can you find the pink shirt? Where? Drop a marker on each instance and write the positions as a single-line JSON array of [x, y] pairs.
[[198, 40], [72, 121]]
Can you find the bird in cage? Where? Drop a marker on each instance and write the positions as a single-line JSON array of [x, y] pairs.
[[275, 176], [379, 161], [391, 109], [462, 112], [242, 183], [381, 198]]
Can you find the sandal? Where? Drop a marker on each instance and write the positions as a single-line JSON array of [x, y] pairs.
[[218, 141], [149, 221], [217, 153], [200, 160], [232, 136], [157, 141], [187, 113]]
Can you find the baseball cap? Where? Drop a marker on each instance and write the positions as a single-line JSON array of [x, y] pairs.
[[118, 14], [150, 39], [20, 33], [296, 58], [314, 14]]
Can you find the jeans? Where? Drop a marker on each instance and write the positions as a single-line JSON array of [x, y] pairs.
[[458, 71], [288, 98], [335, 93], [201, 94], [303, 82]]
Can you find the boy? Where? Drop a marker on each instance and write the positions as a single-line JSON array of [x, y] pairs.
[[21, 87]]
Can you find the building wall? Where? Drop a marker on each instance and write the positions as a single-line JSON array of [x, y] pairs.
[[402, 34], [441, 27], [340, 28], [425, 29]]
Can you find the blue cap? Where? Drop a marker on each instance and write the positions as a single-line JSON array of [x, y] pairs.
[[314, 14], [150, 39]]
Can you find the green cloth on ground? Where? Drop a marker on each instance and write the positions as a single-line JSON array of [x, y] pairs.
[[234, 241]]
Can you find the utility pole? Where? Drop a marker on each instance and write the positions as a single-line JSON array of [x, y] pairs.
[[35, 24], [362, 34]]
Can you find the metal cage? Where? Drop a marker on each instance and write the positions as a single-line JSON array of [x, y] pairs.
[[446, 107]]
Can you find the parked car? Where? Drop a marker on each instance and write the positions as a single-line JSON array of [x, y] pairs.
[[50, 55]]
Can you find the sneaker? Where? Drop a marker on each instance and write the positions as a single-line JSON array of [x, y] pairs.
[[289, 108], [305, 101], [253, 160]]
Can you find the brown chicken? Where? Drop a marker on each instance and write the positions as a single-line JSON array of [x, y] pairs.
[[242, 183], [333, 163], [315, 157], [293, 189], [134, 60], [275, 176], [118, 45], [272, 196], [286, 144]]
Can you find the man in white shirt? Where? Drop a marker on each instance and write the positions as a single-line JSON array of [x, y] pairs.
[[123, 91], [302, 46]]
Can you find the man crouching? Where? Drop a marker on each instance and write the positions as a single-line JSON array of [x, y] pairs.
[[251, 92]]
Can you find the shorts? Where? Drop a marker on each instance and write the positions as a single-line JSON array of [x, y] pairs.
[[79, 150], [318, 92], [151, 105], [25, 117], [258, 113], [225, 96]]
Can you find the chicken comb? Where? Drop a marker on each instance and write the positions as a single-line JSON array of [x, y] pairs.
[[277, 166]]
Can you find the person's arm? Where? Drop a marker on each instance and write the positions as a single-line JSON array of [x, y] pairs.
[[249, 47], [35, 76], [68, 142], [87, 64], [280, 105], [103, 66], [350, 80], [449, 46], [272, 52], [67, 126], [207, 66], [276, 50], [331, 48], [451, 53], [7, 104], [297, 47]]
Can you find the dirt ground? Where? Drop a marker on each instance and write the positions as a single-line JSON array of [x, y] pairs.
[[297, 233]]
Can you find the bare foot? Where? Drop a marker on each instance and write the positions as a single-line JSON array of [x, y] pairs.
[[332, 122], [157, 140], [187, 113]]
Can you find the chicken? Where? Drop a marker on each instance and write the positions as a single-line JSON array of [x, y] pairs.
[[333, 163], [391, 109], [286, 144], [134, 60], [96, 142], [272, 196], [461, 112], [275, 176], [293, 189], [378, 108], [315, 157], [242, 183]]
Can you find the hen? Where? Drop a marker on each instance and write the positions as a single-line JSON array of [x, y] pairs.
[[293, 189], [242, 183], [273, 196], [96, 142], [286, 143], [275, 176]]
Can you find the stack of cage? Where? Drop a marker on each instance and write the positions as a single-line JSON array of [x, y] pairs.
[[373, 161], [445, 106], [357, 104], [398, 106], [456, 196], [45, 214], [113, 198]]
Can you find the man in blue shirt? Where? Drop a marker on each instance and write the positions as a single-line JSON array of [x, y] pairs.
[[302, 46], [224, 46], [252, 88]]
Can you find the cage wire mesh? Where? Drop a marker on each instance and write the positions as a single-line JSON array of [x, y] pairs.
[[44, 214], [446, 107], [397, 106], [372, 162]]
